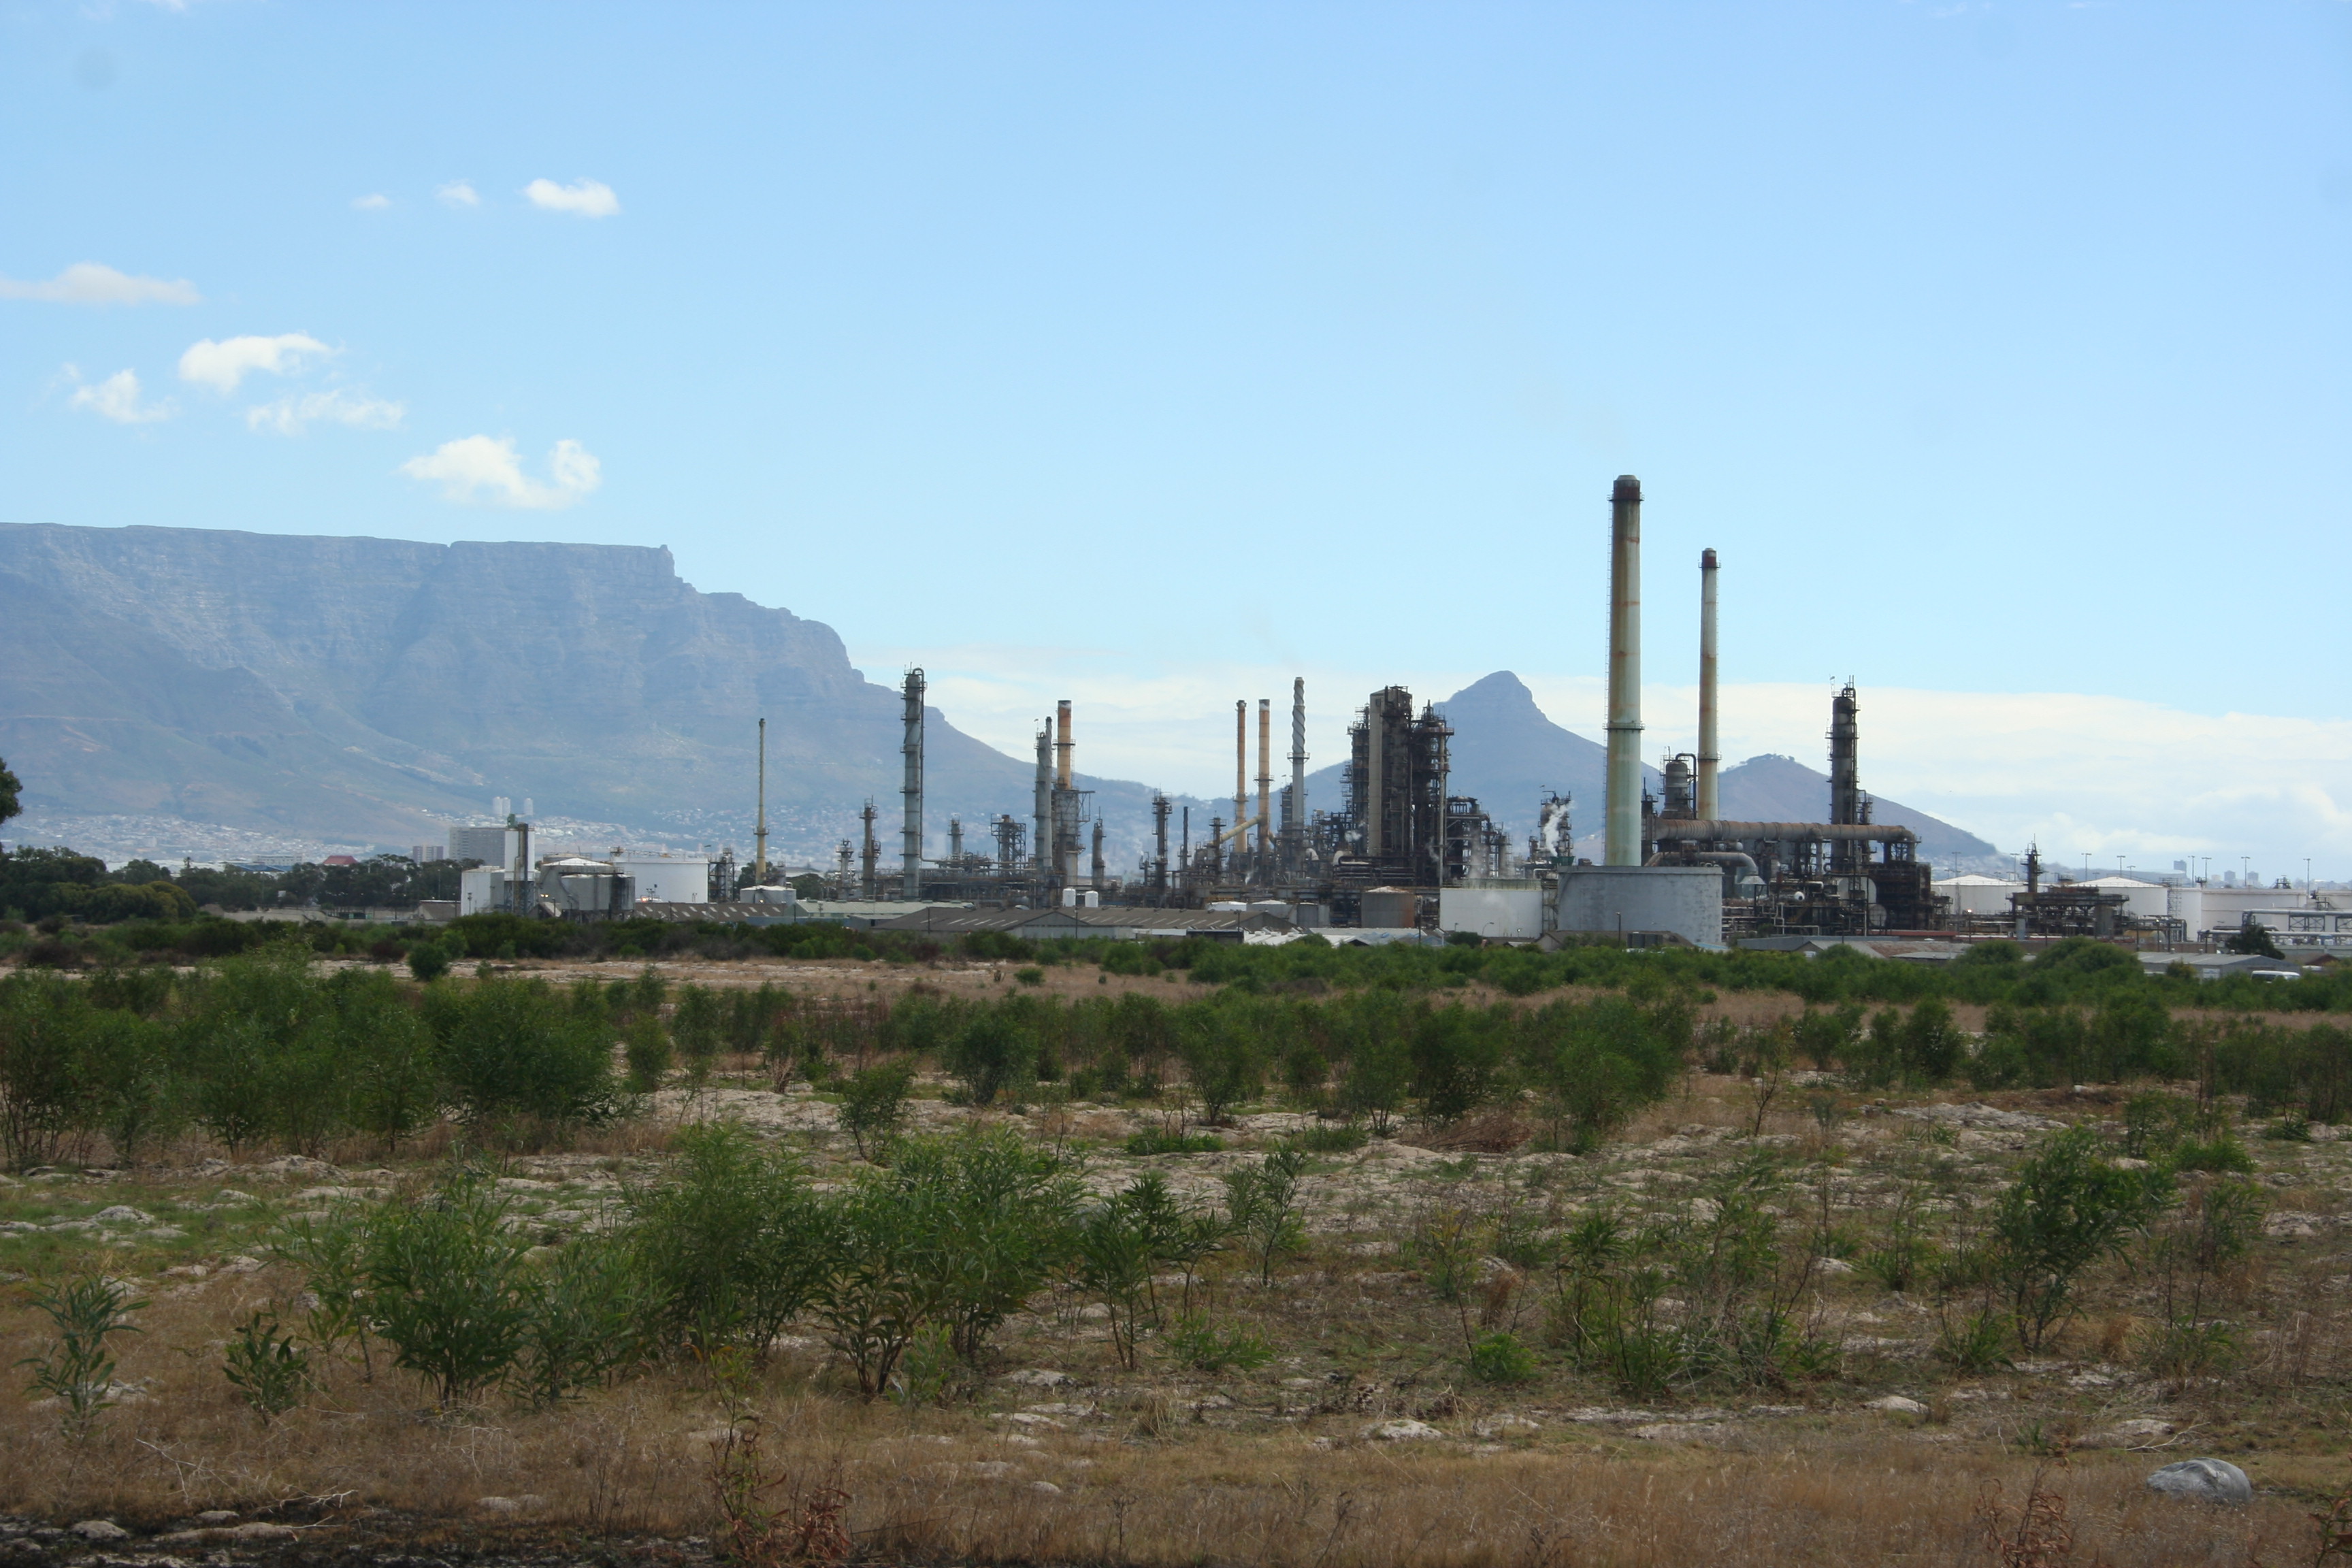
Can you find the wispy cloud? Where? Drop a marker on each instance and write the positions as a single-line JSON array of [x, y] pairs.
[[486, 470], [375, 202], [459, 194], [292, 414], [93, 283], [222, 365], [117, 398], [582, 198]]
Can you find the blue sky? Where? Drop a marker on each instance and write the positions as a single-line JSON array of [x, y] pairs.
[[2004, 350]]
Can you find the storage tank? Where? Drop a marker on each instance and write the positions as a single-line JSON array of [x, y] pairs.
[[1621, 899], [668, 879], [1977, 895], [2142, 900], [1392, 908], [1498, 908]]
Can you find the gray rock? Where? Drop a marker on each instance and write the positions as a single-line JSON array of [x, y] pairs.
[[2206, 1481], [100, 1529], [122, 1214]]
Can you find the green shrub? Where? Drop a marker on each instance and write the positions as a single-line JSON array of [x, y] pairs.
[[1030, 976], [449, 1288], [517, 1059], [1163, 1140], [267, 1369], [428, 960], [731, 1245], [996, 1212], [994, 1054], [2067, 1208], [1197, 1343], [1263, 1211], [1501, 1358], [77, 1369], [874, 1102], [589, 1311], [645, 1047], [699, 1026], [1331, 1138], [2220, 1152]]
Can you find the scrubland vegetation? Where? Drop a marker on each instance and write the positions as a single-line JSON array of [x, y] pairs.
[[1298, 1255]]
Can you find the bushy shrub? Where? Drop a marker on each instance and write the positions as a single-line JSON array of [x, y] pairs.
[[449, 1288], [994, 1054], [1499, 1357], [732, 1245], [517, 1061], [2068, 1208]]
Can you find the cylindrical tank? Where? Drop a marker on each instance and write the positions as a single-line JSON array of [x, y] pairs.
[[1622, 899]]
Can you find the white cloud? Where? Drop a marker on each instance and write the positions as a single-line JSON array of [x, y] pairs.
[[373, 203], [91, 283], [482, 469], [117, 398], [291, 414], [221, 366], [582, 198], [459, 194]]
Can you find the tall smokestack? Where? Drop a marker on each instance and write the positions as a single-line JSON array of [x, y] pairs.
[[1264, 776], [1710, 756], [910, 869], [1623, 839], [1241, 773], [759, 834], [1062, 743]]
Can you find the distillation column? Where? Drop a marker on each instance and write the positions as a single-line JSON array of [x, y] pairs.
[[1264, 784], [1294, 805], [911, 871]]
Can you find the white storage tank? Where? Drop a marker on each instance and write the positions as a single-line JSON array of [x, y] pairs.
[[1976, 895], [668, 879], [1497, 908], [481, 890], [1621, 899], [2142, 900]]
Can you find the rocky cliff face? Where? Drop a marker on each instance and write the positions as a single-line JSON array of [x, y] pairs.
[[366, 686]]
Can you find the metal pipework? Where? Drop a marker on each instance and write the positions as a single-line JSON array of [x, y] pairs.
[[1622, 840], [1710, 831], [1710, 755], [910, 853], [1062, 743], [1264, 775]]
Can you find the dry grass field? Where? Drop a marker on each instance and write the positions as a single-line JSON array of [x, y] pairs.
[[1368, 1436]]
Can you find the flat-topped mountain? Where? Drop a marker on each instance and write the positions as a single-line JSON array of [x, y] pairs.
[[367, 687]]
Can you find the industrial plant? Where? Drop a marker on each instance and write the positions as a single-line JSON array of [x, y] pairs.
[[1397, 856]]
